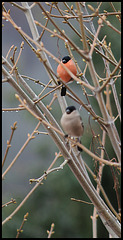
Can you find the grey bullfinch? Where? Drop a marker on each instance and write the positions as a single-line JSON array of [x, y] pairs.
[[72, 124], [62, 73]]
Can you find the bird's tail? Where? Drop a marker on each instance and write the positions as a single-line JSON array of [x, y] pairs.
[[79, 148]]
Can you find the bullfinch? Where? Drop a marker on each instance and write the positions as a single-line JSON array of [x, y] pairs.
[[72, 124], [62, 73]]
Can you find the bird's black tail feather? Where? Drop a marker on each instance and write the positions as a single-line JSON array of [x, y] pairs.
[[79, 148]]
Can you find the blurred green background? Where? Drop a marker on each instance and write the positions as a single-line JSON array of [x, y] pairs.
[[51, 202]]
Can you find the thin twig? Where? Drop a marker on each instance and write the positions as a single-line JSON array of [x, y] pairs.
[[13, 128], [20, 229], [6, 204], [13, 109], [112, 74], [30, 136], [78, 200], [51, 232]]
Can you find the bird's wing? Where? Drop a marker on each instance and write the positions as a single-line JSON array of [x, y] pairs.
[[81, 122]]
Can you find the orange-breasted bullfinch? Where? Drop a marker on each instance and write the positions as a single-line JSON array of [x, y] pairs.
[[72, 124], [62, 73]]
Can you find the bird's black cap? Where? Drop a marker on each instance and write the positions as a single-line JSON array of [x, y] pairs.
[[65, 59], [70, 109]]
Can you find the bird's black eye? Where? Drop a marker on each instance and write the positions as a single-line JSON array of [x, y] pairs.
[[70, 109], [65, 59]]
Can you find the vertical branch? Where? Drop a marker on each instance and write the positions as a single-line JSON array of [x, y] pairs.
[[45, 60], [95, 213], [85, 46], [111, 126]]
